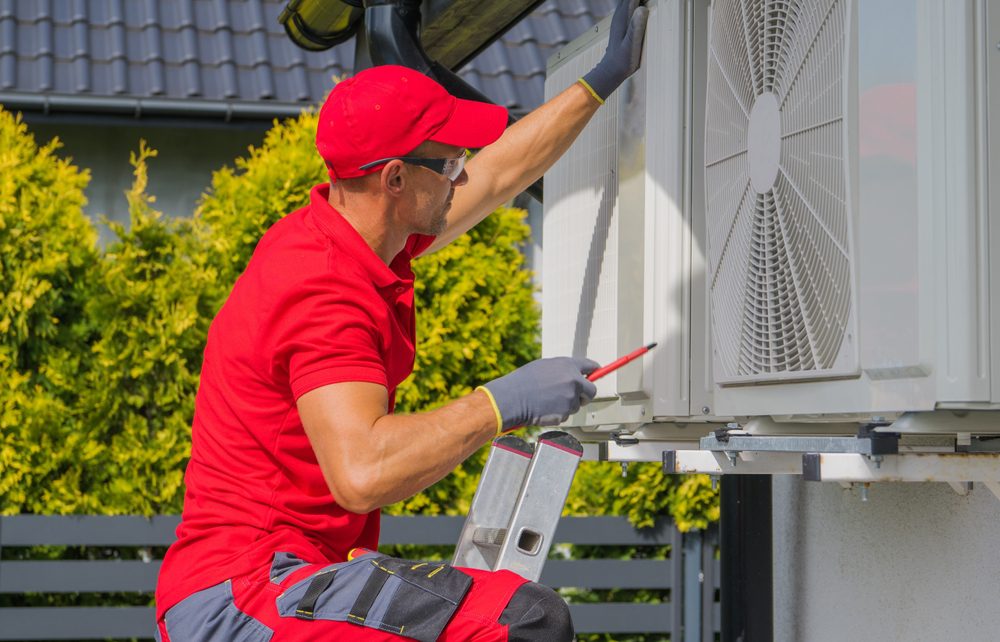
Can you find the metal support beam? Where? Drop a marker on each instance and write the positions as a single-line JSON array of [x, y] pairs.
[[701, 461], [910, 467], [457, 33], [871, 443], [631, 452]]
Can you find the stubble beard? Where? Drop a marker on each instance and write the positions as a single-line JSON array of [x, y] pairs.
[[441, 221]]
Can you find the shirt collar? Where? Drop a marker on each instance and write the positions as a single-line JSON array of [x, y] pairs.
[[341, 232]]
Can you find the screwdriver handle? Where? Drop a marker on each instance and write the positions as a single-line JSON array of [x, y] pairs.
[[620, 361]]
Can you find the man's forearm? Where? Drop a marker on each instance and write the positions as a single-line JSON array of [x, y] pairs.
[[404, 454], [533, 144], [521, 156]]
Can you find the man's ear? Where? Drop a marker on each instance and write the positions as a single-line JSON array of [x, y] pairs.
[[393, 178]]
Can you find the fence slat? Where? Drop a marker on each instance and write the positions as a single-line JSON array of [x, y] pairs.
[[606, 574], [90, 623], [76, 623], [420, 529], [612, 531], [79, 576], [87, 530], [617, 617], [595, 531], [128, 530]]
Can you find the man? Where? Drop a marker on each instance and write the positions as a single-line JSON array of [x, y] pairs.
[[295, 445]]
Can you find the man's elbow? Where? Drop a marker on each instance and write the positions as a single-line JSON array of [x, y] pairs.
[[355, 494], [359, 505]]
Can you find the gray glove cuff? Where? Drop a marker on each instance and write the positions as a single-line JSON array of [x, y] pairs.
[[542, 393]]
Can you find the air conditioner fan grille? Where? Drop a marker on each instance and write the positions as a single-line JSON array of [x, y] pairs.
[[778, 215]]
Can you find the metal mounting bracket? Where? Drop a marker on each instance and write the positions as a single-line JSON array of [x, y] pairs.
[[736, 463], [867, 442], [956, 468]]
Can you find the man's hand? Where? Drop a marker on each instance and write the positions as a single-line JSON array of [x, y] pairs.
[[621, 59], [542, 393]]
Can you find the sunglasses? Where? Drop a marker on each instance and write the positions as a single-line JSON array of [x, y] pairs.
[[450, 167]]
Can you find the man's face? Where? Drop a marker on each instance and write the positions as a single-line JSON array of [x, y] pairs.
[[432, 192]]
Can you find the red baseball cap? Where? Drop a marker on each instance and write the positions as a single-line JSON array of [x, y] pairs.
[[389, 111]]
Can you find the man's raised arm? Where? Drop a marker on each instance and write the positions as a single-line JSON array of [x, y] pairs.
[[530, 147]]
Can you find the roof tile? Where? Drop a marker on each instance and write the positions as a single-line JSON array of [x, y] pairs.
[[235, 50]]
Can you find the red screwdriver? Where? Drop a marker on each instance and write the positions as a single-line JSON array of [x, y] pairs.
[[620, 361]]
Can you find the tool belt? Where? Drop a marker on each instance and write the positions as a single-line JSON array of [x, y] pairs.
[[411, 599]]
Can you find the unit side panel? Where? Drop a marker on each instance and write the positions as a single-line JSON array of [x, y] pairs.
[[701, 381], [633, 145], [949, 211], [895, 242], [580, 262], [668, 227], [992, 186]]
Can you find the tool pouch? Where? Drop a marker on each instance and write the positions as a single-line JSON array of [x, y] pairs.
[[411, 599]]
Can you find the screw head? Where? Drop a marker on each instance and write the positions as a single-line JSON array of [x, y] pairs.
[[705, 410]]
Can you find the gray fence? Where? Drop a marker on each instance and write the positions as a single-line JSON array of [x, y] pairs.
[[688, 579]]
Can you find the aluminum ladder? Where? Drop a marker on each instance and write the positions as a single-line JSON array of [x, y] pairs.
[[517, 504]]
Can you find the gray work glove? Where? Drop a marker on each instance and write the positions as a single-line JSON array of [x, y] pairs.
[[541, 393], [621, 59]]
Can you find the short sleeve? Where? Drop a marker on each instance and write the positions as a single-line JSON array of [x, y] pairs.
[[329, 338]]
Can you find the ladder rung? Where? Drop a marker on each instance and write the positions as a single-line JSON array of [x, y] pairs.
[[494, 501], [489, 536]]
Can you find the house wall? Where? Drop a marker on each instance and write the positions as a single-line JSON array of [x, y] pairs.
[[177, 176], [915, 562]]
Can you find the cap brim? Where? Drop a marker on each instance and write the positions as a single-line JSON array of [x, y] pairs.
[[472, 125]]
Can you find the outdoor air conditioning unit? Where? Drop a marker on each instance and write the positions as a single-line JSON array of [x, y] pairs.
[[617, 263], [799, 200], [847, 176]]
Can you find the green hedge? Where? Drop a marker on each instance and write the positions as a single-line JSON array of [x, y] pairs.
[[100, 349], [47, 252]]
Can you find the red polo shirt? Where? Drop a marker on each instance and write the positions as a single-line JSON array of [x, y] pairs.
[[315, 306]]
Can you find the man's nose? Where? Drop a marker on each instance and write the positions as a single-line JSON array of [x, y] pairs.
[[462, 179]]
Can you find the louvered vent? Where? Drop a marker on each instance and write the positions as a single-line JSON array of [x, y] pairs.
[[778, 214]]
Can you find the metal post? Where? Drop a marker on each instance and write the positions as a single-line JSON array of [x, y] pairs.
[[747, 584], [694, 576]]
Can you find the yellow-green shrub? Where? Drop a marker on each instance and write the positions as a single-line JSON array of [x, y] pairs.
[[151, 299], [46, 253]]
